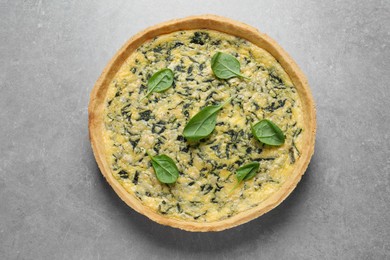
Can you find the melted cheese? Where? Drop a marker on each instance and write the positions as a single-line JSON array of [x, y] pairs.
[[202, 191]]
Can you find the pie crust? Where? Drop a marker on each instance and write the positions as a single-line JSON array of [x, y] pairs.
[[225, 25]]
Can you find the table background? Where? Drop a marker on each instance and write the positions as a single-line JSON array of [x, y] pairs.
[[54, 203]]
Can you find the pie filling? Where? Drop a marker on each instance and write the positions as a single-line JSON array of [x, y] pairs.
[[204, 190]]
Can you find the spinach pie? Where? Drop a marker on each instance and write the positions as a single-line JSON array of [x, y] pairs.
[[202, 123]]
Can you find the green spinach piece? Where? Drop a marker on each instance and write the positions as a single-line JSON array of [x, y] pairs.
[[268, 133], [159, 82], [225, 66], [203, 123], [246, 172], [165, 168]]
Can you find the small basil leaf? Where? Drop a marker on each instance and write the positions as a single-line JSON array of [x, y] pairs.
[[225, 66], [160, 81], [165, 168], [268, 133], [246, 172], [203, 123]]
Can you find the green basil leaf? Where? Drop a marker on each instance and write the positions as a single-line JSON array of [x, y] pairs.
[[165, 168], [246, 172], [159, 82], [268, 133], [225, 66], [203, 123]]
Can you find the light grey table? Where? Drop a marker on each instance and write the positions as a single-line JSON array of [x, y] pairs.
[[54, 203]]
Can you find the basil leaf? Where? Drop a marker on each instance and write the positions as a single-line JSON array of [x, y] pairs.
[[225, 66], [246, 172], [203, 123], [159, 82], [268, 133], [165, 168]]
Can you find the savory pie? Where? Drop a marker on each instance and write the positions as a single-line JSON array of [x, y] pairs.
[[124, 125]]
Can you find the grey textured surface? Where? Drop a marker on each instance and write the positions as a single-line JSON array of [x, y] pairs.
[[56, 205]]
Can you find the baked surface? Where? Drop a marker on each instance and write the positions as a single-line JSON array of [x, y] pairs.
[[122, 127]]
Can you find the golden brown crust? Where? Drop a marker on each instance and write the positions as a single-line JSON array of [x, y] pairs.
[[96, 106]]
